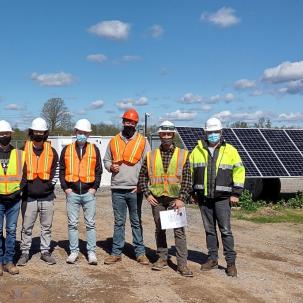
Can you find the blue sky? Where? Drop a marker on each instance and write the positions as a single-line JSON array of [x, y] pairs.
[[178, 60]]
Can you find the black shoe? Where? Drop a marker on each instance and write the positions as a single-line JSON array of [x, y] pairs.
[[48, 258], [23, 259]]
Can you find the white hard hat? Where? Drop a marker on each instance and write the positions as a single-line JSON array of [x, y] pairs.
[[39, 124], [167, 126], [5, 126], [84, 125], [213, 124]]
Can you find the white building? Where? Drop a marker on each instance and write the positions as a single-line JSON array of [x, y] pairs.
[[59, 142]]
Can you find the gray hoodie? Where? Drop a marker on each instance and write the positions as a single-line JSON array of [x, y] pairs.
[[127, 177]]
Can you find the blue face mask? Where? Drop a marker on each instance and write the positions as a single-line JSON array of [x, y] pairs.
[[213, 138], [81, 138]]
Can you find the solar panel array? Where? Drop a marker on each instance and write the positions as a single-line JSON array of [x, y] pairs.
[[264, 152]]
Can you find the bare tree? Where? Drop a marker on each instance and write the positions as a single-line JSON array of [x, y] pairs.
[[56, 114]]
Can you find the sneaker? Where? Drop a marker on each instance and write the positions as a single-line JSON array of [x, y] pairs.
[[209, 265], [185, 271], [92, 259], [48, 258], [112, 260], [1, 270], [72, 258], [11, 269], [160, 264], [23, 259], [143, 260], [231, 270]]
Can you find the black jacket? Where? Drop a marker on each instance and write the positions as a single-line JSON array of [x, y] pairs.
[[80, 187], [4, 159], [39, 189]]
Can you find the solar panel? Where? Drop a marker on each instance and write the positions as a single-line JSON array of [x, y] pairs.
[[296, 135], [264, 152], [278, 140]]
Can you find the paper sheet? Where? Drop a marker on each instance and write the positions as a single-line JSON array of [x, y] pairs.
[[173, 219]]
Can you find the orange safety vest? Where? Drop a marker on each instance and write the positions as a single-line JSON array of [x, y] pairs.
[[130, 152], [38, 166], [83, 169]]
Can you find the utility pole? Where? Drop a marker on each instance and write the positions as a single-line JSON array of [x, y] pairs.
[[145, 123]]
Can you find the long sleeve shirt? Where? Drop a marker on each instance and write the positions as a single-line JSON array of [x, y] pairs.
[[166, 155]]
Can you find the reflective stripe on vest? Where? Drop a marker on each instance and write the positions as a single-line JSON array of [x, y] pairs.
[[169, 183], [84, 169], [10, 181], [38, 166], [130, 152]]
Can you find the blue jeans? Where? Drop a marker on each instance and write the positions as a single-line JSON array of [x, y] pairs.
[[9, 211], [215, 211], [73, 205], [123, 199]]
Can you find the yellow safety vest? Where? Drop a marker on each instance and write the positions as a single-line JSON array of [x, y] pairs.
[[10, 182], [165, 183], [230, 171]]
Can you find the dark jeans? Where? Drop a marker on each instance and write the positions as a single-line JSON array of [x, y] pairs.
[[9, 211], [179, 233], [213, 211], [121, 200]]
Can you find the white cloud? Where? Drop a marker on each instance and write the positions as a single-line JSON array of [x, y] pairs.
[[227, 115], [96, 104], [190, 98], [128, 103], [80, 112], [206, 107], [297, 116], [256, 92], [293, 87], [229, 97], [112, 29], [284, 72], [99, 58], [130, 58], [214, 99], [57, 79], [244, 84], [13, 106], [180, 115], [156, 31], [224, 17]]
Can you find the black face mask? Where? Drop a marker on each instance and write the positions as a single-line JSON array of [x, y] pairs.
[[128, 131], [167, 141], [37, 138], [5, 140]]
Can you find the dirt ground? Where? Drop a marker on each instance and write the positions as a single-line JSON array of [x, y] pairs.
[[270, 266]]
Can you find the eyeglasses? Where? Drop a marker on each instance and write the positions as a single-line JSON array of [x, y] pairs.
[[172, 128]]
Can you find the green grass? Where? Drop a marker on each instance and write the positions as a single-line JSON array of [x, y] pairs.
[[270, 215]]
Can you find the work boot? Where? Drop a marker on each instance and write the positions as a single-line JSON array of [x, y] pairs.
[[160, 264], [231, 270], [48, 258], [185, 271], [210, 264], [112, 260], [23, 259], [1, 270], [72, 258], [92, 259], [143, 260], [11, 269]]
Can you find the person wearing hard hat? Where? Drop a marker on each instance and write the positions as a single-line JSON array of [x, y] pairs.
[[80, 176], [165, 180], [123, 158], [38, 196], [218, 181], [12, 181]]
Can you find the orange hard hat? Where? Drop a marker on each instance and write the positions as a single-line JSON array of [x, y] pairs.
[[131, 114]]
